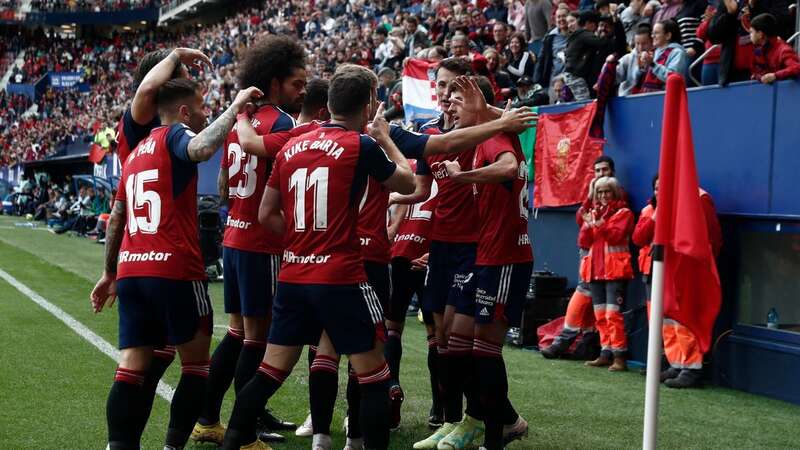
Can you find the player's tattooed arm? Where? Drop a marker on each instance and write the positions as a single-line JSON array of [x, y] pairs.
[[222, 184], [203, 146], [105, 291], [114, 231]]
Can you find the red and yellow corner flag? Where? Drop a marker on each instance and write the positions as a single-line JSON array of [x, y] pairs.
[[691, 283]]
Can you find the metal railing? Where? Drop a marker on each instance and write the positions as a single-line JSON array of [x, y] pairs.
[[698, 61], [716, 46]]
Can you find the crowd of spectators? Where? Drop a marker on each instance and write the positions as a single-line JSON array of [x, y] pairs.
[[8, 5], [533, 52], [90, 5], [68, 207]]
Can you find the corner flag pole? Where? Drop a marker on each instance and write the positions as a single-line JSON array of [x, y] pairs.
[[654, 351]]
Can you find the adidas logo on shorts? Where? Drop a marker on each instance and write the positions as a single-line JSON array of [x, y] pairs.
[[484, 312]]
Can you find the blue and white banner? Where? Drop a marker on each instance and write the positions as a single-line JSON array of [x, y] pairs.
[[67, 80]]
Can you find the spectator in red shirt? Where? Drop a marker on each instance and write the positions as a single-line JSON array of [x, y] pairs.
[[773, 59]]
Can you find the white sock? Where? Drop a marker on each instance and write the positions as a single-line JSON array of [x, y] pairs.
[[321, 442]]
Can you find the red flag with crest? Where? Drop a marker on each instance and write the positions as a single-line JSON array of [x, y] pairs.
[[564, 156]]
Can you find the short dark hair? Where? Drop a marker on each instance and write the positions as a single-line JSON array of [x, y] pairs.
[[605, 159], [350, 89], [521, 38], [500, 22], [273, 57], [601, 4], [455, 64], [148, 61], [412, 19], [644, 28], [174, 91], [486, 88], [766, 23], [316, 95], [585, 17], [381, 30], [671, 26]]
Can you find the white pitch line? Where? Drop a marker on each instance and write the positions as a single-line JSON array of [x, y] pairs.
[[164, 390]]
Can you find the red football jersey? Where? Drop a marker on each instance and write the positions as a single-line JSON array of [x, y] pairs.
[[372, 220], [159, 188], [455, 217], [413, 235], [502, 207], [130, 133], [247, 177], [321, 176]]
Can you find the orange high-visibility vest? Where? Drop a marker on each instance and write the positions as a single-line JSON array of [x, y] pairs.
[[645, 257], [616, 258]]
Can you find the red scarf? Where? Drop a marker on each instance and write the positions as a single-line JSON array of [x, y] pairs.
[[650, 82]]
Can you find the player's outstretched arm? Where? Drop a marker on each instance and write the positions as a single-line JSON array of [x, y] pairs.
[[106, 287], [402, 180], [503, 169], [143, 106], [269, 212], [512, 121], [422, 190], [203, 146]]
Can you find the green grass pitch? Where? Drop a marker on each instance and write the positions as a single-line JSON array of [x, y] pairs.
[[53, 384]]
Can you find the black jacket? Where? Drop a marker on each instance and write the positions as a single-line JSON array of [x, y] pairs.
[[544, 65], [586, 52], [725, 29]]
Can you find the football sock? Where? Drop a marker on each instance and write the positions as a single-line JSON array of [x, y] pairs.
[[312, 353], [250, 403], [374, 414], [162, 358], [249, 359], [323, 385], [433, 370], [123, 409], [220, 375], [493, 390], [458, 349], [393, 351], [187, 402], [354, 405]]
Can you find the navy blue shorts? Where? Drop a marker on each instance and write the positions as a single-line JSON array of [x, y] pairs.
[[500, 293], [405, 284], [450, 278], [154, 312], [250, 281], [379, 276], [351, 314]]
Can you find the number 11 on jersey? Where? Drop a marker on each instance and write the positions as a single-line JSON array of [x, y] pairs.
[[300, 182]]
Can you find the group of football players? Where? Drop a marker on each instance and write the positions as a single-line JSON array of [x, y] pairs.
[[336, 220]]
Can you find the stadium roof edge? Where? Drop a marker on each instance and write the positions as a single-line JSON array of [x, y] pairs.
[[181, 9]]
